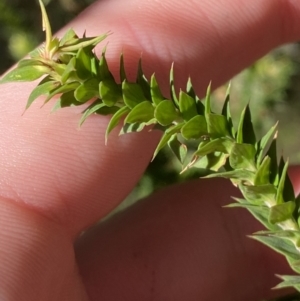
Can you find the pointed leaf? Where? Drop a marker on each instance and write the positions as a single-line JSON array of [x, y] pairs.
[[62, 89], [265, 142], [83, 64], [281, 212], [25, 74], [69, 37], [143, 112], [217, 125], [187, 106], [110, 92], [259, 195], [142, 81], [282, 246], [212, 162], [41, 89], [156, 94], [115, 119], [87, 90], [227, 114], [263, 172], [88, 43], [190, 90], [165, 112], [289, 281], [222, 145], [242, 156], [166, 137], [261, 213], [240, 174], [66, 100], [122, 69], [194, 128], [285, 191], [132, 94], [46, 25], [91, 110], [207, 101], [172, 88], [272, 153], [245, 133], [105, 74], [178, 149], [69, 70]]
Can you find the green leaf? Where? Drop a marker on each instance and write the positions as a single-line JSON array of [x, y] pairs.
[[178, 149], [217, 125], [142, 81], [62, 89], [29, 62], [87, 90], [259, 195], [41, 89], [115, 119], [165, 112], [265, 142], [207, 101], [272, 153], [91, 110], [285, 191], [263, 172], [87, 43], [222, 145], [156, 94], [46, 26], [260, 212], [281, 212], [122, 69], [212, 162], [110, 92], [132, 94], [282, 246], [187, 106], [194, 128], [227, 114], [70, 70], [172, 88], [166, 137], [143, 112], [68, 38], [83, 64], [67, 99], [245, 132], [242, 156], [105, 74], [240, 174], [289, 281], [190, 90], [25, 74]]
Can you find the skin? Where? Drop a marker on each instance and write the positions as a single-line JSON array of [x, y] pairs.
[[58, 180]]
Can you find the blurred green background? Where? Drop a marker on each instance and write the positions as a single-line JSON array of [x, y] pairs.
[[271, 85]]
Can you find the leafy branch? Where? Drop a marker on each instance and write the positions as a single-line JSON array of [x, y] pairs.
[[73, 74]]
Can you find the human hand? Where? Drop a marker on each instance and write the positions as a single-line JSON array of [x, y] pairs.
[[58, 180]]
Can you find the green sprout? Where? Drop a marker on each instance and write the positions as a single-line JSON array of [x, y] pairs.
[[72, 72]]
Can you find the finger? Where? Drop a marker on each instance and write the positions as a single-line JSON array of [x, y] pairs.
[[179, 244], [207, 40], [68, 174], [294, 173]]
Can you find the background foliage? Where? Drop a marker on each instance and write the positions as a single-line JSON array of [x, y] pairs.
[[271, 85]]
